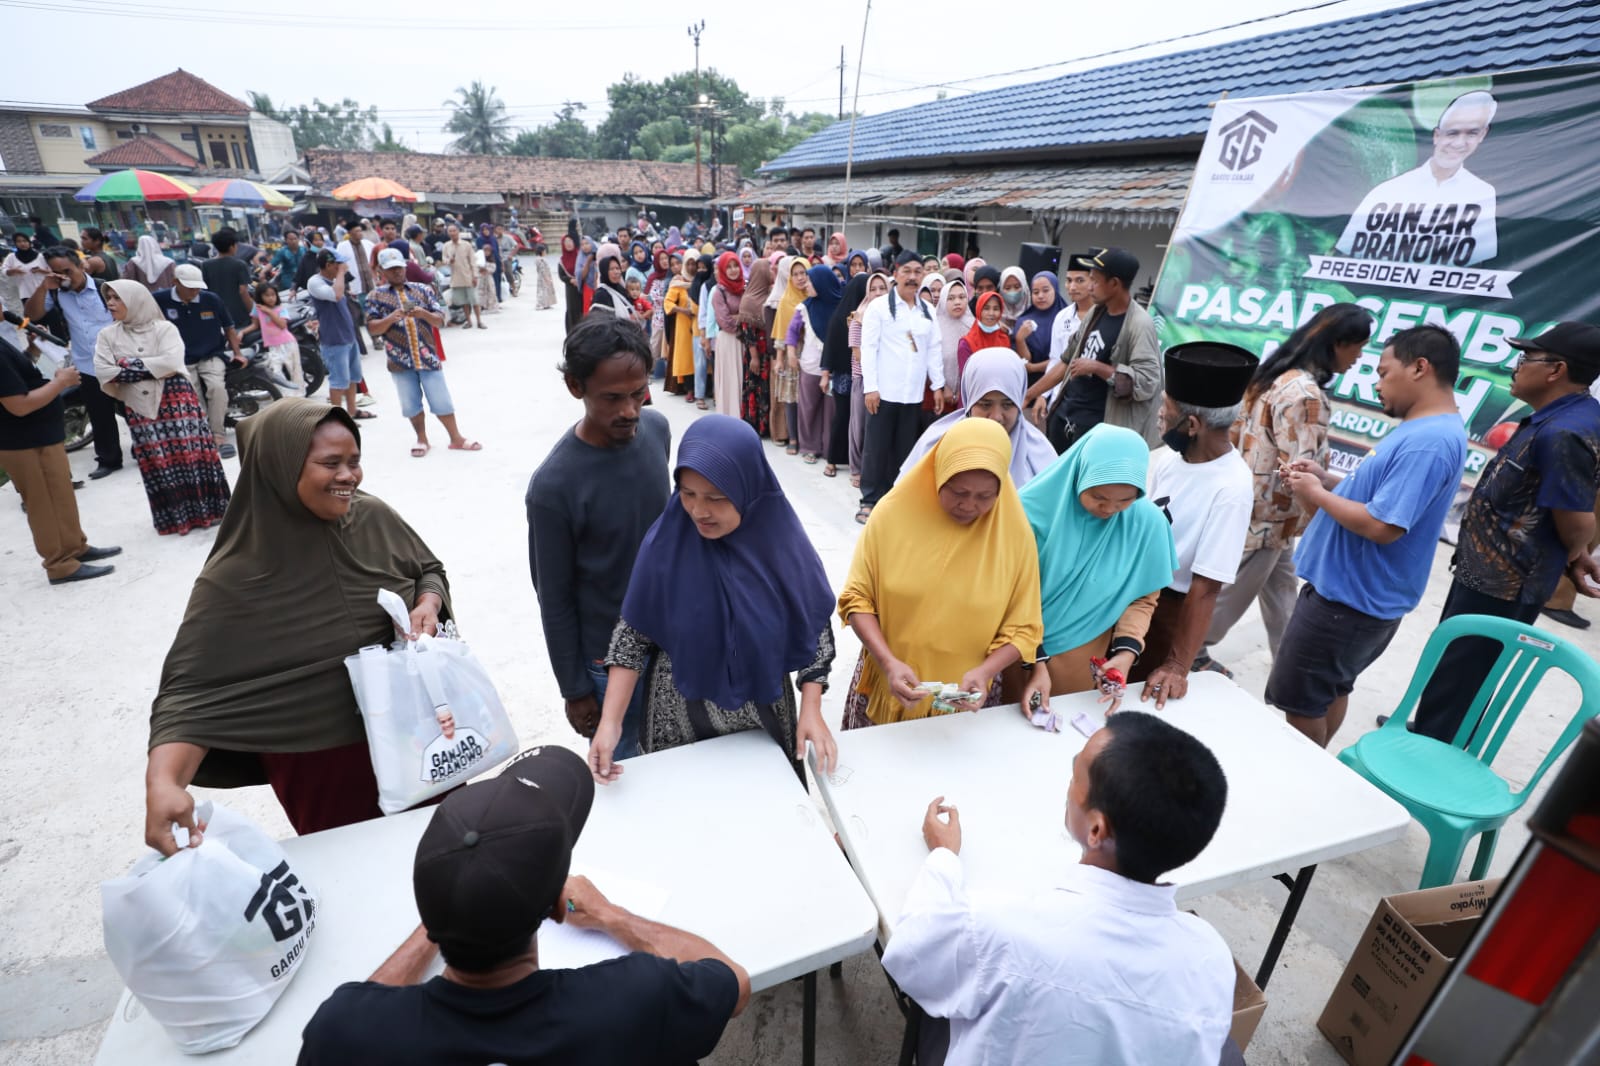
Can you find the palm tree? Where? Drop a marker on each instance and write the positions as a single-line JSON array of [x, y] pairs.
[[479, 120], [389, 142]]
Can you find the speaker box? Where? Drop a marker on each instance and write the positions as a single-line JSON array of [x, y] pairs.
[[1037, 257]]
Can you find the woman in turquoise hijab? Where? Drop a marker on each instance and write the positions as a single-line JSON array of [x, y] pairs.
[[1105, 554]]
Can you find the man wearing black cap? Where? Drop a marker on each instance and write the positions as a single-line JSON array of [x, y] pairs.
[[1368, 551], [491, 867], [1079, 289], [1113, 367], [1207, 492], [1530, 518]]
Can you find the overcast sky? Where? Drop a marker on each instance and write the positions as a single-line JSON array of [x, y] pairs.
[[412, 60]]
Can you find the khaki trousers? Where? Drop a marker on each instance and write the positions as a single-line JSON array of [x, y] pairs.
[[44, 479], [213, 373], [1267, 575]]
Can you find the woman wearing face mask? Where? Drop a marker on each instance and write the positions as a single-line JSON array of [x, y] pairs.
[[1285, 420], [1105, 554], [727, 600], [1034, 324], [987, 329], [1014, 291], [991, 387], [254, 690], [945, 581]]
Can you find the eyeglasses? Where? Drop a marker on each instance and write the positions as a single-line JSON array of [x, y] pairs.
[[1522, 357]]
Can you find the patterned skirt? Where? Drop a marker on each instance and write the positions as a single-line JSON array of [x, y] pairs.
[[177, 456], [754, 401]]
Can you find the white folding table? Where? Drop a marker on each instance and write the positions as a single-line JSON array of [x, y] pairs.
[[723, 825], [1291, 804]]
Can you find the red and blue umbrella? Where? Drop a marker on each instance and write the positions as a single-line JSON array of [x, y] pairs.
[[236, 192], [134, 186]]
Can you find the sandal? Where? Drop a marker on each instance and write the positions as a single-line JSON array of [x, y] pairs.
[[467, 446], [420, 449], [702, 405], [1206, 663], [793, 449], [482, 326], [830, 471], [809, 458], [862, 514], [364, 414], [855, 481]]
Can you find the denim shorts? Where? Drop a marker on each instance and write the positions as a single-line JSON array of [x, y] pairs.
[[344, 364], [1324, 649], [412, 384]]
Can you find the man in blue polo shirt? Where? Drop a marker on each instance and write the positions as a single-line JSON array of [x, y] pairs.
[[207, 329], [1530, 518], [69, 289], [1368, 551]]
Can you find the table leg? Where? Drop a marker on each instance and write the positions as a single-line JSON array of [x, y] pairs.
[[808, 1021], [1297, 893]]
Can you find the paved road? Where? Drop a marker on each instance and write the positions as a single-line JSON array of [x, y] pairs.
[[82, 663]]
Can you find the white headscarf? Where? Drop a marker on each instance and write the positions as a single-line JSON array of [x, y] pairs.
[[150, 258], [994, 370]]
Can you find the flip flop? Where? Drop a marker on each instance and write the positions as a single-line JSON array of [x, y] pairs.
[[467, 446], [420, 450], [364, 414], [830, 471], [1207, 663], [862, 514], [855, 481], [809, 459]]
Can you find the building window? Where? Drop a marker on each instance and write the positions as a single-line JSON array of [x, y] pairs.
[[238, 157], [53, 129], [219, 153], [86, 135], [189, 137], [124, 135]]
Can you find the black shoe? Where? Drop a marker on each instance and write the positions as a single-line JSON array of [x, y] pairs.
[[94, 555], [102, 471], [227, 451], [83, 573], [1566, 617], [1382, 718]]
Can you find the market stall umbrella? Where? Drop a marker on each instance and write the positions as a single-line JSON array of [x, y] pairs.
[[375, 189], [236, 192], [134, 186]]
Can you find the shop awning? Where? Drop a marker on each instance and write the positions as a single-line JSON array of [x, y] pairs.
[[1130, 193]]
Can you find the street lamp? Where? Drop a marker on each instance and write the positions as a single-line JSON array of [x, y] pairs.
[[695, 30]]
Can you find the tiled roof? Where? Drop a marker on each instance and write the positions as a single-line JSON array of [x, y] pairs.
[[144, 151], [1162, 99], [178, 93], [442, 174], [1147, 192]]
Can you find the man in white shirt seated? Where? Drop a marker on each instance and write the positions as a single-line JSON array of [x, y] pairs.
[[1103, 969], [1207, 491]]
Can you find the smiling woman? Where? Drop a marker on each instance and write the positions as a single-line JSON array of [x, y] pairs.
[[254, 689]]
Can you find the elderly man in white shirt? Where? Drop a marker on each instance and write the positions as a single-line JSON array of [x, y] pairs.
[[359, 249], [1105, 969], [1441, 204], [900, 353]]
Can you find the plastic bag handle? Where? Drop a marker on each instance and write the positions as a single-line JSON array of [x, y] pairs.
[[428, 669]]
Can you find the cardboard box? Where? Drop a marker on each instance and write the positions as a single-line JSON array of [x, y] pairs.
[[1249, 1004], [1405, 952]]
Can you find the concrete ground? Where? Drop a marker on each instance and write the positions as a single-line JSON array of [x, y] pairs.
[[82, 662]]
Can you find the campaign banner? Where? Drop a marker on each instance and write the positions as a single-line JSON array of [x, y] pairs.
[[1471, 203]]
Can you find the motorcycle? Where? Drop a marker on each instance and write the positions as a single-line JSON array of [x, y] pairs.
[[299, 315], [248, 384]]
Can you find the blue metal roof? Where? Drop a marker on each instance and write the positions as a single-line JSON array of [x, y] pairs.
[[1166, 97]]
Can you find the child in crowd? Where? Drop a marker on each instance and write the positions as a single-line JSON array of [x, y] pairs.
[[641, 306], [282, 350]]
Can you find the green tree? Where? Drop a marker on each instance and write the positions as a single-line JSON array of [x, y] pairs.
[[389, 142], [479, 121], [636, 104], [565, 138], [345, 124]]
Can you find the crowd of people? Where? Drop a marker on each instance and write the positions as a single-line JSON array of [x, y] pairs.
[[1049, 501]]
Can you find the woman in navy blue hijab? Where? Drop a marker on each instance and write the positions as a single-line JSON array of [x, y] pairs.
[[1034, 325], [727, 599]]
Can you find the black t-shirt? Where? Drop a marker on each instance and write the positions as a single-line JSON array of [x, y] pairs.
[[37, 429], [638, 1010], [224, 275], [1084, 402]]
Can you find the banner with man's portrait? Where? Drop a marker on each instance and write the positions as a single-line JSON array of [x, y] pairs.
[[1472, 203]]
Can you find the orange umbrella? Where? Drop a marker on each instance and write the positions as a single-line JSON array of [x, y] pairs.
[[375, 189]]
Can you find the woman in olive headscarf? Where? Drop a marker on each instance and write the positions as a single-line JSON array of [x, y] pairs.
[[254, 689]]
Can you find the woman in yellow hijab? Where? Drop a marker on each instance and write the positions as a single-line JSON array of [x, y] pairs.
[[791, 282], [945, 581]]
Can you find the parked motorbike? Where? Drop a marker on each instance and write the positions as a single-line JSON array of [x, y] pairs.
[[249, 385], [299, 315]]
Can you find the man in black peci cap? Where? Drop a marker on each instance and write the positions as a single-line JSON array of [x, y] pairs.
[[1531, 517], [491, 867], [1207, 492]]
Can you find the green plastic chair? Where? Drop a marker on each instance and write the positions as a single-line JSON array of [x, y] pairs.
[[1450, 788]]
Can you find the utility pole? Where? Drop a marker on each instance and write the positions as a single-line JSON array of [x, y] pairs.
[[695, 30], [841, 83]]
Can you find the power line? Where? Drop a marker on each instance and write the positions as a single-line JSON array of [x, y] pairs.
[[277, 19]]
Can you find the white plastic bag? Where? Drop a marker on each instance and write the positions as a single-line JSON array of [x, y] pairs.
[[433, 717], [209, 938]]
